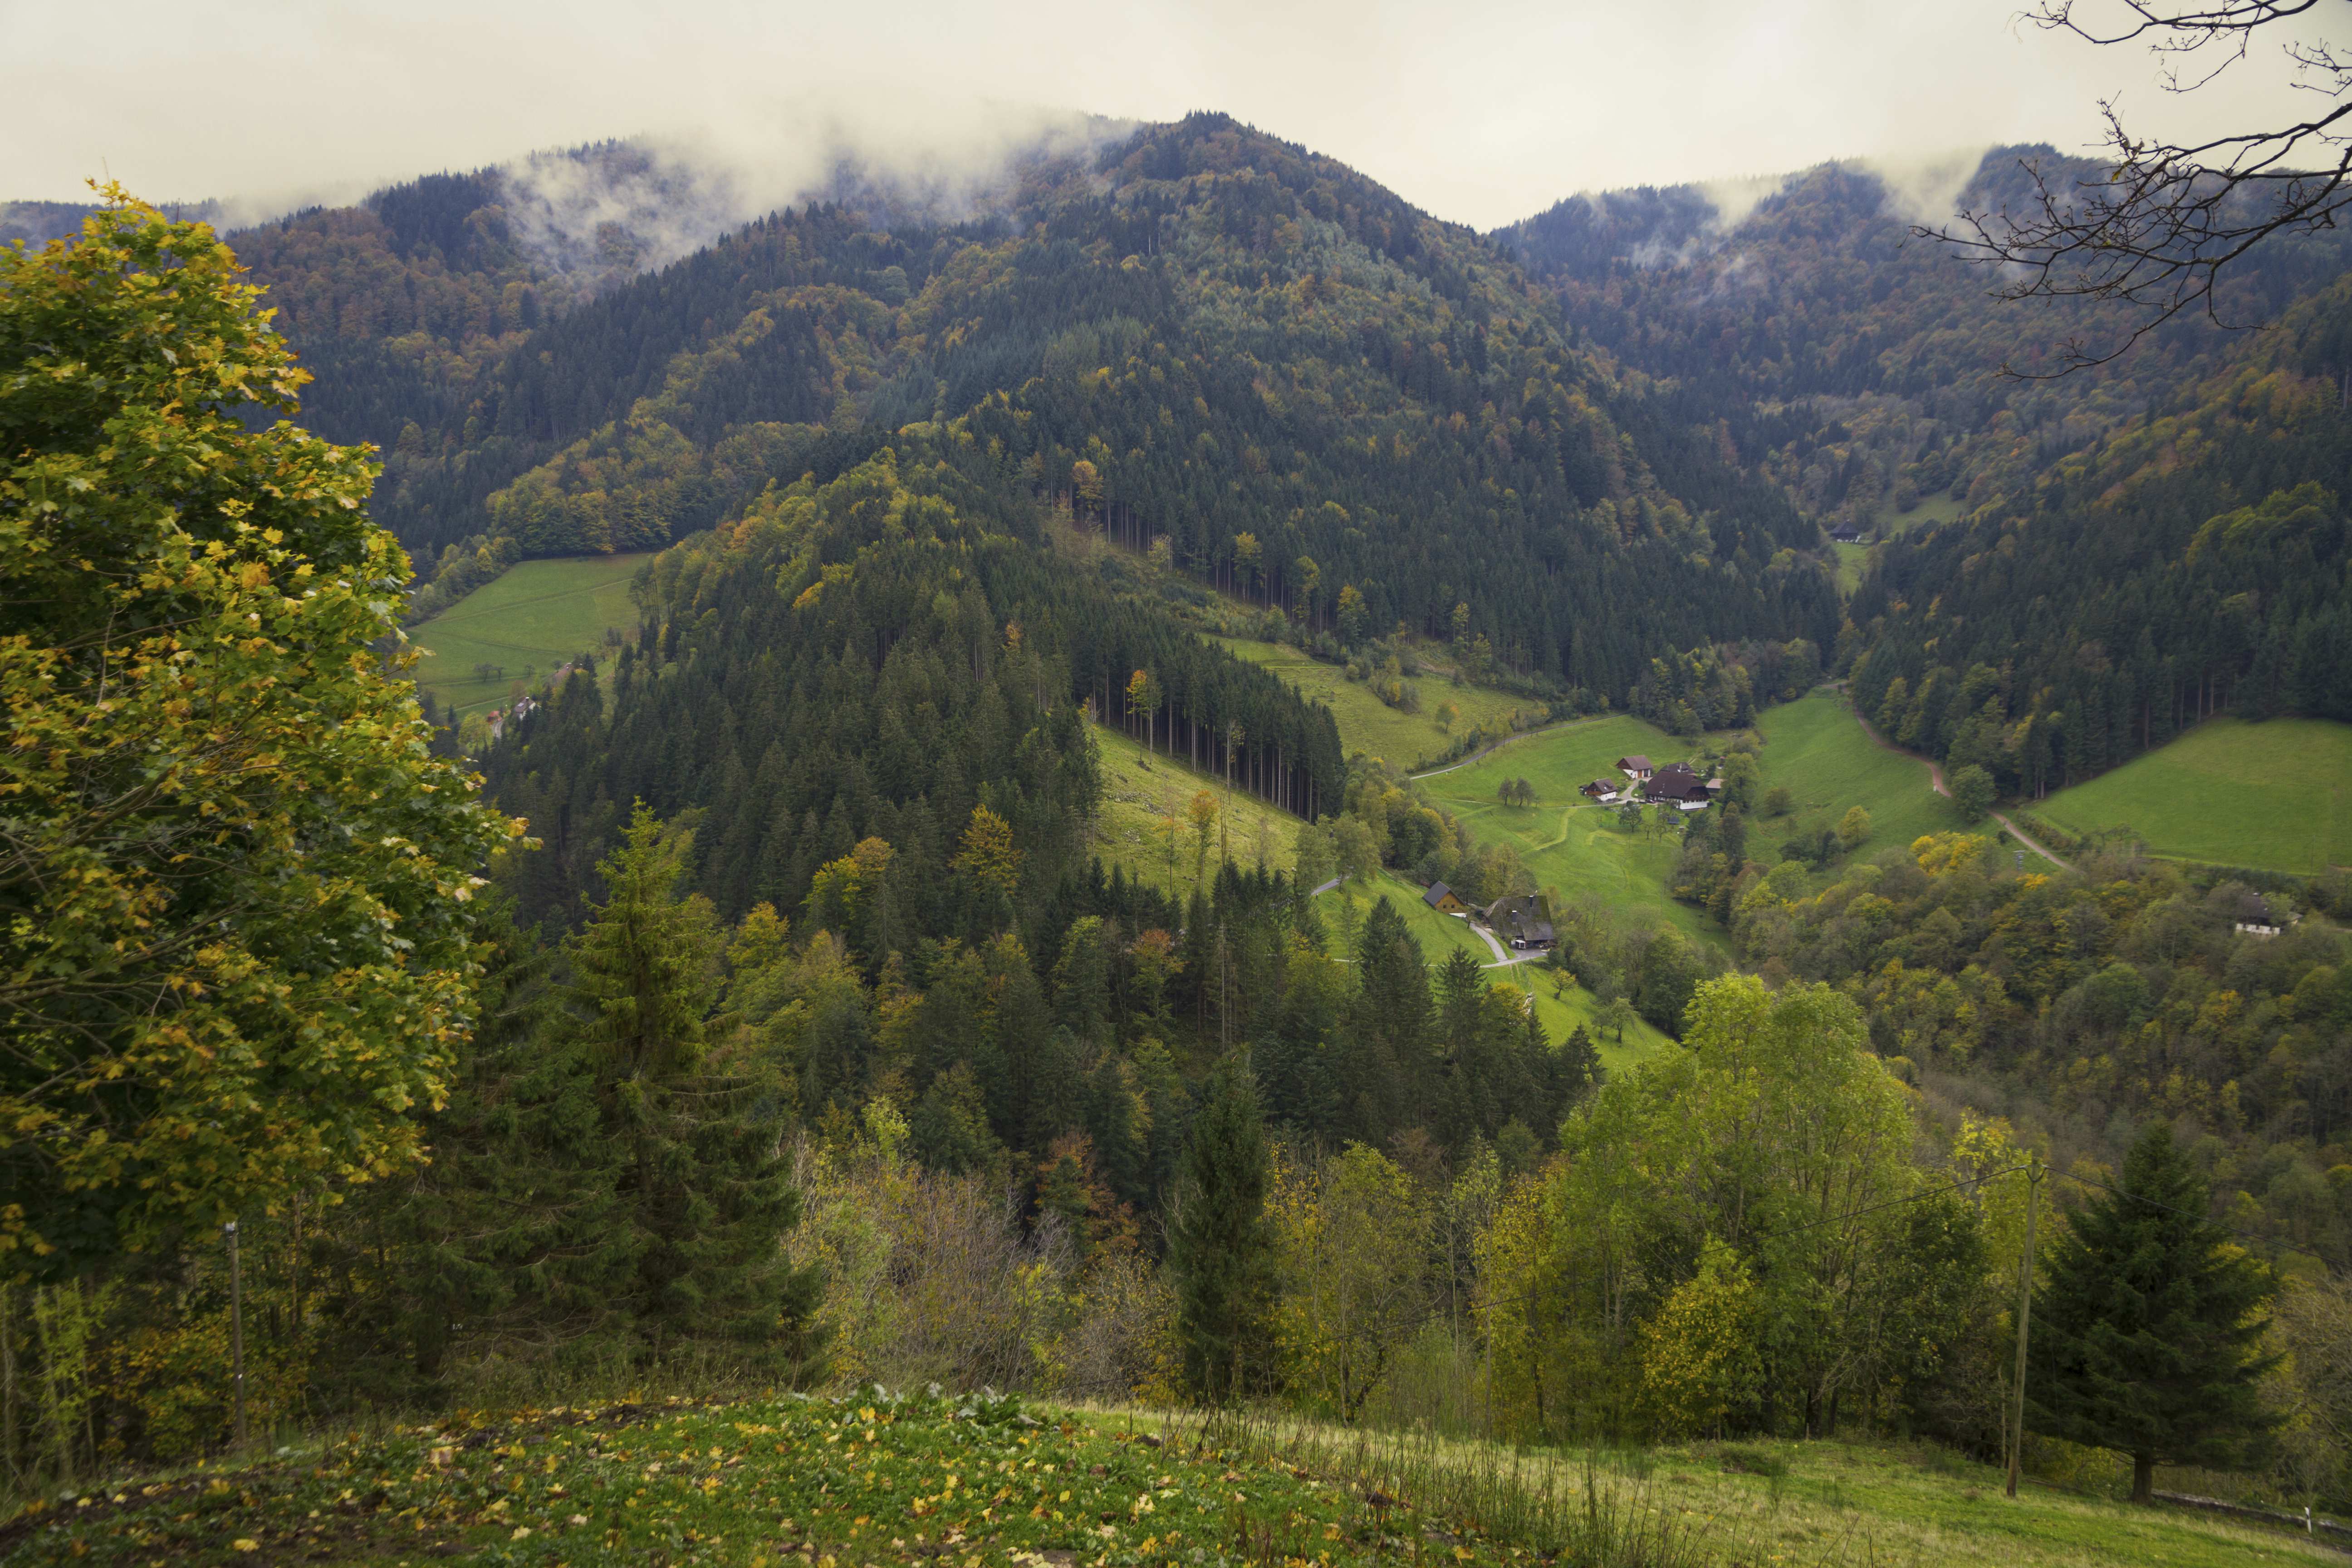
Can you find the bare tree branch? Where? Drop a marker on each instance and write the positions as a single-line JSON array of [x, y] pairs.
[[2156, 232]]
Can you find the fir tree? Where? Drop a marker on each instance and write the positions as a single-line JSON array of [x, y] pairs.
[[633, 1087], [2145, 1329], [1222, 1248]]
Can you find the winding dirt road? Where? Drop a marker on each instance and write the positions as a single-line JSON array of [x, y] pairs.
[[1935, 783]]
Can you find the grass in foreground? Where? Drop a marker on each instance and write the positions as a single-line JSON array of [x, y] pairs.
[[539, 614], [1758, 1503], [833, 1483], [2271, 795], [1368, 724], [862, 1479], [1142, 789]]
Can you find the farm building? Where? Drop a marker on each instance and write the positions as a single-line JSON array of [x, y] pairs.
[[1599, 789], [2257, 916], [1846, 533], [1442, 899], [1523, 923], [1634, 768], [1678, 784]]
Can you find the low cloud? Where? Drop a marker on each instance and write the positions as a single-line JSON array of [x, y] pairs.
[[1735, 198], [1925, 190]]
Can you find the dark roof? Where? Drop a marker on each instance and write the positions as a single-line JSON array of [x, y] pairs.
[[1436, 895], [1677, 783], [1523, 918], [1846, 535], [1637, 762]]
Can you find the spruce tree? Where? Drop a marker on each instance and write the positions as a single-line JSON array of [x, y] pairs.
[[1221, 1247], [636, 1173], [2145, 1328], [707, 1174]]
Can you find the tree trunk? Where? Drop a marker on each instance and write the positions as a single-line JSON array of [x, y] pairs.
[[2143, 1478]]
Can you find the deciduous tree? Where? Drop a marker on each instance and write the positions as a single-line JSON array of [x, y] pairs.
[[238, 947]]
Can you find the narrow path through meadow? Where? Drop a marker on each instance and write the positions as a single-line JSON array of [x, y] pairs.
[[1935, 783], [1484, 752]]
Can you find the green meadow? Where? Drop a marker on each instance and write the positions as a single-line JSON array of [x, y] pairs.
[[960, 1481], [1368, 724], [1142, 790], [1852, 558], [537, 615], [1569, 844], [2270, 796], [1815, 747]]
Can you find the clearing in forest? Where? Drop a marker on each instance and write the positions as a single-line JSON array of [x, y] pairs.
[[2270, 796], [1561, 1006], [521, 625], [1829, 764], [1368, 724], [1143, 791], [1568, 841]]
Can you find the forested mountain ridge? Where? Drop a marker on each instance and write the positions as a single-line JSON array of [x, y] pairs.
[[1261, 354], [880, 656], [2081, 566], [1860, 366], [2193, 562]]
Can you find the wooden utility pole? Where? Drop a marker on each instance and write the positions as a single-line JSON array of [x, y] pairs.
[[2024, 1318], [236, 1334]]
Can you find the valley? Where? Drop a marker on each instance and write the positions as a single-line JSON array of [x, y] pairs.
[[963, 1042]]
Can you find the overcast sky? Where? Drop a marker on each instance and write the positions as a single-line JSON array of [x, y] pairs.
[[1481, 111]]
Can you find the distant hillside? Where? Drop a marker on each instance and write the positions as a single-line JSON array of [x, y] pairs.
[[2047, 609], [1857, 364], [1256, 351]]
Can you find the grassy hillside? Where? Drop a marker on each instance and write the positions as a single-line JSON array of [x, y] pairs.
[[1561, 1010], [1142, 789], [1368, 724], [867, 1479], [2271, 795], [1852, 558], [1814, 747], [1568, 842], [534, 618], [1921, 1507]]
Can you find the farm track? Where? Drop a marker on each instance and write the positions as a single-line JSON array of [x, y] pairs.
[[1935, 783], [1481, 755]]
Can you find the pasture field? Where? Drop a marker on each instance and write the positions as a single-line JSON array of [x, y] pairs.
[[1937, 508], [1368, 724], [536, 616], [1561, 1012], [1567, 843], [867, 1479], [1852, 558], [1141, 789], [1815, 747], [2272, 796]]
